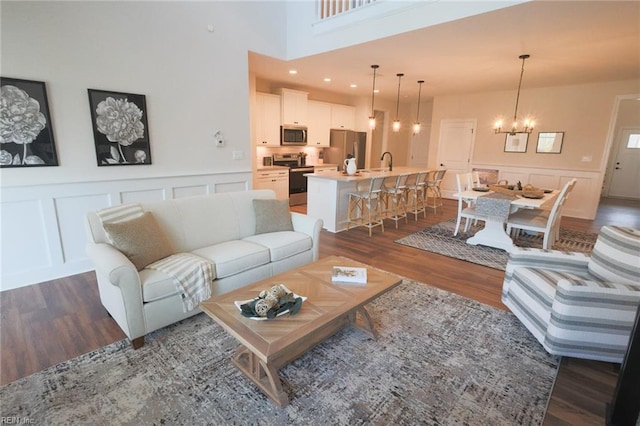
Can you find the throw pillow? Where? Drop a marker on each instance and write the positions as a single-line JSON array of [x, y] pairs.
[[272, 216], [140, 239]]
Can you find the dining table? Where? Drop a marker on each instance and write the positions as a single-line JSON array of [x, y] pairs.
[[494, 208]]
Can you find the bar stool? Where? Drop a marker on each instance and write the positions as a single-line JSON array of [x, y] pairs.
[[365, 204], [395, 190], [433, 186], [415, 194]]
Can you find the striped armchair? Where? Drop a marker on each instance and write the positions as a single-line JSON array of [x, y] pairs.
[[575, 304]]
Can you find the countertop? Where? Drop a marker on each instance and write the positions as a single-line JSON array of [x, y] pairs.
[[365, 174], [325, 165], [271, 168]]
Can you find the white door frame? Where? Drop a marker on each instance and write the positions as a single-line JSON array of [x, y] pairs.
[[615, 151], [609, 145], [474, 123]]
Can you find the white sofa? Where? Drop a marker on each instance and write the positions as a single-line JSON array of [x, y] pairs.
[[220, 228]]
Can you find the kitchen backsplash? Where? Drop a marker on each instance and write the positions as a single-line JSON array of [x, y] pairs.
[[313, 154]]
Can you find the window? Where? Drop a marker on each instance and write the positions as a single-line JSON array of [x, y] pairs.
[[634, 140]]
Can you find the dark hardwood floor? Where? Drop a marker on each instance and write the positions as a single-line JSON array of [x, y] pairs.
[[44, 324]]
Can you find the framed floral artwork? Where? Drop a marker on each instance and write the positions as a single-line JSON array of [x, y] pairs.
[[26, 132], [120, 129]]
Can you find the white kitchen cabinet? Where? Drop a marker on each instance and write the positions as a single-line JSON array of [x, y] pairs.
[[267, 119], [293, 107], [277, 180], [343, 117], [319, 124]]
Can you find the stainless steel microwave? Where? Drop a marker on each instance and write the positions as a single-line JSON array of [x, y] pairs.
[[293, 135]]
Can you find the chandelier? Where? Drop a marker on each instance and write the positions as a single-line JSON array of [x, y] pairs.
[[527, 124]]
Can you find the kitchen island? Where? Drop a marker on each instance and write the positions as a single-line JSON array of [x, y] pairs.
[[328, 193]]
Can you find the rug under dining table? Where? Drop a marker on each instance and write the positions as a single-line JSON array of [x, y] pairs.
[[439, 239]]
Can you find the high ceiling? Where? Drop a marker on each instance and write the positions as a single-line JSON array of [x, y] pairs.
[[570, 42]]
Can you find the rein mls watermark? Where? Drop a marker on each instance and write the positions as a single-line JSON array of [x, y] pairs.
[[15, 420]]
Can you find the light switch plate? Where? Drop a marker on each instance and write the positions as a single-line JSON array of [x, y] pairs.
[[218, 139], [237, 155]]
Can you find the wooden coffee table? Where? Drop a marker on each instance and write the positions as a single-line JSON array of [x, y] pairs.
[[266, 346]]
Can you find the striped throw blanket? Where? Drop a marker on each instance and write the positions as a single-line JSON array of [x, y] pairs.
[[192, 274]]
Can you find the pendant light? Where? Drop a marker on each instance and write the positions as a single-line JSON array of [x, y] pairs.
[[372, 117], [416, 125], [528, 123], [396, 122]]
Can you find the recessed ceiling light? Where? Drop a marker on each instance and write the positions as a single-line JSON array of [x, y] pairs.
[[327, 79], [376, 91], [293, 71], [353, 86]]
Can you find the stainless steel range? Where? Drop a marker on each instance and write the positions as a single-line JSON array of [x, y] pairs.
[[297, 180]]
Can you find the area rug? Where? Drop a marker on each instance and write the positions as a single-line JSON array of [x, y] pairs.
[[440, 359], [439, 239]]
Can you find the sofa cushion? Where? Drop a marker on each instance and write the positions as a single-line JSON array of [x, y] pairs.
[[616, 255], [140, 239], [272, 216], [234, 256], [283, 244], [156, 285]]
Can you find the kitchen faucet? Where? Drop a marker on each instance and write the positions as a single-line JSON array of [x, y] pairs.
[[390, 159]]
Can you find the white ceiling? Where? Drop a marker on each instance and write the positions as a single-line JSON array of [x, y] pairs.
[[570, 42]]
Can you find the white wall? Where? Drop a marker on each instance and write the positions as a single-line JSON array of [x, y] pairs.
[[373, 21], [195, 82], [583, 112]]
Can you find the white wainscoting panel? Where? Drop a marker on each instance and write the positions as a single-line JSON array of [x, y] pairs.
[[143, 196], [70, 212], [545, 181], [231, 186], [23, 223], [43, 229], [190, 191]]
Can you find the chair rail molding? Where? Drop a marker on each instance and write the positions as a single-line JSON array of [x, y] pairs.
[[43, 226]]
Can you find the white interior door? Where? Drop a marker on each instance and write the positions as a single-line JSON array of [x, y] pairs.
[[454, 151], [625, 173]]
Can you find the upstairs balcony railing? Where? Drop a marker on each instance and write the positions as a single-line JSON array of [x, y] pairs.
[[330, 8]]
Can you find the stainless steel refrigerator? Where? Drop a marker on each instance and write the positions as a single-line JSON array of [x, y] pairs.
[[343, 143]]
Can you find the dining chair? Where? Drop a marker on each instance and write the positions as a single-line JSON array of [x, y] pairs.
[[546, 221], [473, 179], [466, 208], [395, 191], [365, 204]]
